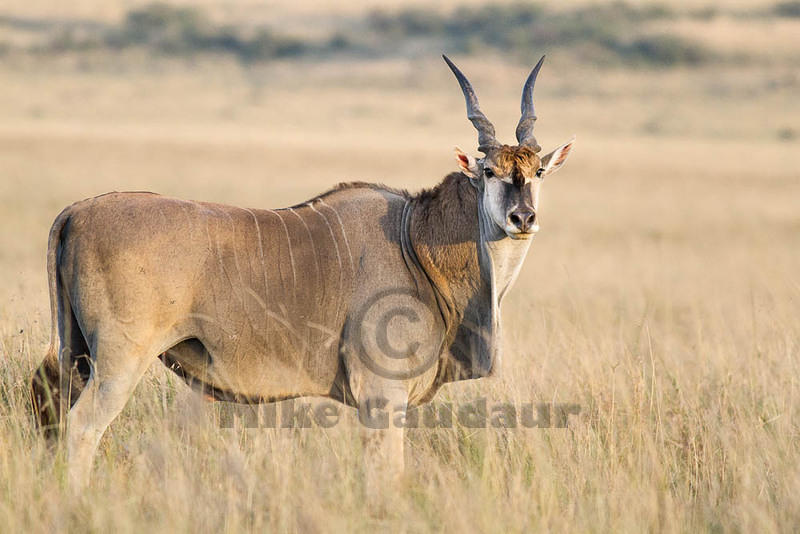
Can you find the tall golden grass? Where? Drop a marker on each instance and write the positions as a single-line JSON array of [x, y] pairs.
[[661, 295]]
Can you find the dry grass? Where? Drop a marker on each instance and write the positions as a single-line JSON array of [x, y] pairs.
[[661, 295]]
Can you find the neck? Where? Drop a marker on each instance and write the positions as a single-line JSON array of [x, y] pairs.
[[471, 263]]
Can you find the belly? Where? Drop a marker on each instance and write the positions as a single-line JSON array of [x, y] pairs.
[[249, 374]]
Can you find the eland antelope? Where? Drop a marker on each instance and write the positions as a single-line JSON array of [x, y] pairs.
[[364, 294]]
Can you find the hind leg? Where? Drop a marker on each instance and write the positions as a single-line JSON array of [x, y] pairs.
[[117, 370]]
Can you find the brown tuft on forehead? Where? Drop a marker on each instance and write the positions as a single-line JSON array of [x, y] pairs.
[[518, 162]]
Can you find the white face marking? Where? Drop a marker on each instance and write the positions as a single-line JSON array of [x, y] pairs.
[[536, 187], [509, 180], [495, 204]]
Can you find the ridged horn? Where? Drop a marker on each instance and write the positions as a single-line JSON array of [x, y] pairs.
[[486, 136], [526, 121]]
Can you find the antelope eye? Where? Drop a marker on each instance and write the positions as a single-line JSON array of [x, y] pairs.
[[488, 172], [539, 172]]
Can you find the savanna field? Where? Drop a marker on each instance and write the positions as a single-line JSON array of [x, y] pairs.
[[661, 295]]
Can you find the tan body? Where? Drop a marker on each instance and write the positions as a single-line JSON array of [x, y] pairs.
[[266, 292]]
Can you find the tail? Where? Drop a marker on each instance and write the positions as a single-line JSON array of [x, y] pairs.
[[46, 382]]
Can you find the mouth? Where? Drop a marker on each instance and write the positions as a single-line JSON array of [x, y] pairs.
[[522, 236], [517, 234]]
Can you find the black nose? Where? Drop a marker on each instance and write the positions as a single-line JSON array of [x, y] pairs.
[[522, 219]]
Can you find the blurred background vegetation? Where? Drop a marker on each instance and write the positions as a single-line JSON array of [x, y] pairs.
[[612, 33]]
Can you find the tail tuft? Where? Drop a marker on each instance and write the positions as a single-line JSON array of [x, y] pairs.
[[45, 395]]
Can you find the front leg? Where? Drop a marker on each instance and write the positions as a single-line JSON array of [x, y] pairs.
[[390, 350], [382, 441]]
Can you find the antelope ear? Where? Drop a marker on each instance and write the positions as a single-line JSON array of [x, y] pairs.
[[466, 163], [555, 159]]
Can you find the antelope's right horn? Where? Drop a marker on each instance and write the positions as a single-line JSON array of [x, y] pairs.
[[486, 138]]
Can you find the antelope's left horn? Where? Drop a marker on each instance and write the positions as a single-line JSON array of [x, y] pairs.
[[526, 121]]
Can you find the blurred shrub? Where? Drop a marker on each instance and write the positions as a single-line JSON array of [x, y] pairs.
[[787, 134], [666, 50], [787, 9], [521, 28], [184, 30], [168, 28], [411, 22], [706, 12], [71, 39]]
